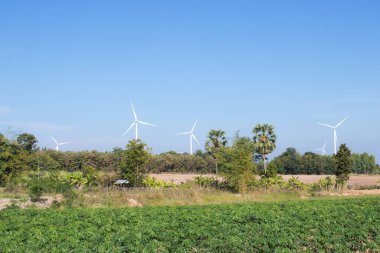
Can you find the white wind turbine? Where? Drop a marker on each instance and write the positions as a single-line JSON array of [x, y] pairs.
[[135, 124], [323, 151], [58, 143], [192, 136], [335, 136]]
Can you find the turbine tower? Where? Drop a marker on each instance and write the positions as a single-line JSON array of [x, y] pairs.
[[136, 123], [58, 143], [323, 151], [192, 136], [335, 136]]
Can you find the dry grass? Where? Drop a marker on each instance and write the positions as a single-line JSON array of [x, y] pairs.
[[175, 196]]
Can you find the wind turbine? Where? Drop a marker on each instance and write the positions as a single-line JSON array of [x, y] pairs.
[[322, 149], [192, 136], [135, 124], [335, 136], [58, 143]]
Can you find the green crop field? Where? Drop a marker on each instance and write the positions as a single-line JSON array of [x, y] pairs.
[[325, 225]]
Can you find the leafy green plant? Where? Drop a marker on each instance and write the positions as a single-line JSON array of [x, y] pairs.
[[268, 182], [294, 184], [206, 181], [326, 183], [320, 225], [36, 187], [155, 183]]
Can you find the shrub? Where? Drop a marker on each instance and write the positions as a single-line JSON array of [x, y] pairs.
[[206, 181], [294, 184], [36, 187], [268, 182], [326, 183], [155, 183]]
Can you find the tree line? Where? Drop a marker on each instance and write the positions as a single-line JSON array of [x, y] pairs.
[[247, 153]]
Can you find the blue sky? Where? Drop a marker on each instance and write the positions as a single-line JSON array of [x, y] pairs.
[[71, 68]]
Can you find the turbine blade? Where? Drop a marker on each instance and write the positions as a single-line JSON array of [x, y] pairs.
[[134, 112], [195, 123], [129, 128], [341, 122], [145, 123], [184, 133], [63, 143], [195, 138], [325, 125], [55, 141]]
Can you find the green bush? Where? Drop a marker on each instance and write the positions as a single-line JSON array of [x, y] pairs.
[[206, 181], [155, 183], [294, 184], [267, 182], [78, 179], [326, 183], [36, 187]]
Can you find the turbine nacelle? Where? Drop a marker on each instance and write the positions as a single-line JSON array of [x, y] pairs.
[[136, 122], [323, 151], [192, 137], [58, 144], [335, 135]]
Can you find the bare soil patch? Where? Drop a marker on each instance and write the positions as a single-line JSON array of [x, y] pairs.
[[359, 180]]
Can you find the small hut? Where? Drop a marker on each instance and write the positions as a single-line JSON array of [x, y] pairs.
[[121, 183]]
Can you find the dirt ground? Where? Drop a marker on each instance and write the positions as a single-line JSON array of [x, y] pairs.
[[359, 180]]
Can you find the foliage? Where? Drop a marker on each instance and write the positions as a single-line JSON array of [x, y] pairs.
[[216, 142], [363, 164], [206, 181], [36, 187], [292, 226], [27, 142], [237, 165], [294, 184], [271, 170], [13, 160], [134, 161], [152, 182], [79, 179], [23, 155], [292, 162], [175, 162], [268, 182], [264, 141], [343, 165], [326, 183]]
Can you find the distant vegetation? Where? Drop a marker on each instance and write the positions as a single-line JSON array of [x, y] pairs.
[[24, 165]]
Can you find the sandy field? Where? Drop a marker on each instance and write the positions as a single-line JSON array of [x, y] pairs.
[[354, 179]]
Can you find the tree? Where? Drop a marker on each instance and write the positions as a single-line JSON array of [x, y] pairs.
[[13, 160], [216, 141], [343, 165], [271, 171], [363, 163], [237, 165], [288, 162], [264, 140], [27, 141], [134, 161]]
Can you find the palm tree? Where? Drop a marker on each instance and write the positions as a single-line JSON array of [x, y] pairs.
[[265, 141], [216, 141]]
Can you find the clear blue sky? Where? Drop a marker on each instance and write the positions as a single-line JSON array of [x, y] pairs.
[[70, 68]]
